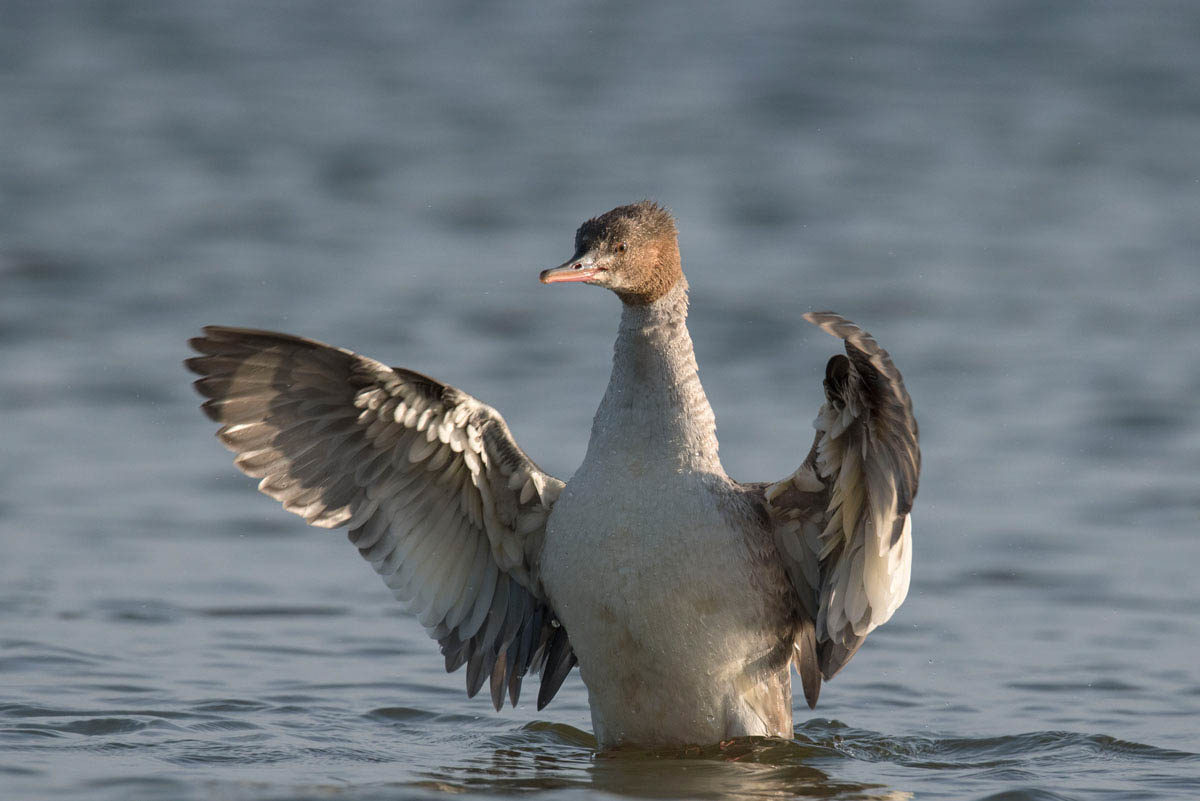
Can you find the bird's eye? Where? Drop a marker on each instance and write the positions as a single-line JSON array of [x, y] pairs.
[[621, 247]]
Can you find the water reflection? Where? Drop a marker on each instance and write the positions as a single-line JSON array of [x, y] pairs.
[[745, 767], [814, 764], [545, 756]]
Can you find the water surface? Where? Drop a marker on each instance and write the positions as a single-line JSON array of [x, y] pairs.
[[1005, 194]]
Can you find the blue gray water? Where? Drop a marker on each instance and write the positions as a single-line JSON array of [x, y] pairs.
[[1006, 194]]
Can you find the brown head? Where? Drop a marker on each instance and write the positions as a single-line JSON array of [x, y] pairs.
[[632, 250]]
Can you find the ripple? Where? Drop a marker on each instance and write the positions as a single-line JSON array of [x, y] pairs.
[[123, 689], [1028, 795], [18, 770], [286, 650], [561, 733], [138, 611], [225, 725], [273, 611], [29, 731], [1100, 685], [230, 705], [975, 752], [43, 662], [89, 727], [31, 711], [401, 714], [412, 719], [202, 752], [101, 726], [140, 787]]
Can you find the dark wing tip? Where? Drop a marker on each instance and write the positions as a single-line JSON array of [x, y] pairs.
[[215, 335], [218, 338], [807, 662], [834, 656], [560, 658], [214, 410], [195, 364], [820, 317], [858, 341], [855, 337], [236, 332], [499, 680], [873, 363], [206, 346]]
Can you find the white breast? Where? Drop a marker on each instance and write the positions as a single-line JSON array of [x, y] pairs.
[[656, 589]]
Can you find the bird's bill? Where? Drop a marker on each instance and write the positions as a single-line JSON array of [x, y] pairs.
[[580, 268]]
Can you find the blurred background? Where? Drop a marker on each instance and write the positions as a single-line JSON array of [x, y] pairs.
[[1006, 194]]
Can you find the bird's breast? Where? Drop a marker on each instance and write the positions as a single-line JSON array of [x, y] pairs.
[[658, 593]]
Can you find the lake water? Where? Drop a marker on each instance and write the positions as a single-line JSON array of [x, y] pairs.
[[1006, 194]]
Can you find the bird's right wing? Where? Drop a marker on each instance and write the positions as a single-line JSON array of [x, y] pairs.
[[841, 520], [435, 492]]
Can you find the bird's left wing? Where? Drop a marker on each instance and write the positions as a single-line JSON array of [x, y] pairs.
[[841, 520], [428, 480]]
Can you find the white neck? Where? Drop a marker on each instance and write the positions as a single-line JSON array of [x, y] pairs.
[[655, 411]]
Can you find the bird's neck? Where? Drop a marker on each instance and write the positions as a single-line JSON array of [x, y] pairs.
[[655, 411]]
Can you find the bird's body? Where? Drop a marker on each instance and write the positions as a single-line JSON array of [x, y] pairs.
[[684, 596], [648, 559]]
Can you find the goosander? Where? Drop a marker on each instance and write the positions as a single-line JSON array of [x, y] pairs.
[[684, 596]]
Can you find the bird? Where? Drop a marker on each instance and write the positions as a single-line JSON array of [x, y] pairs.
[[686, 598]]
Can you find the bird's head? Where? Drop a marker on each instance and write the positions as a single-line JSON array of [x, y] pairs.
[[632, 250]]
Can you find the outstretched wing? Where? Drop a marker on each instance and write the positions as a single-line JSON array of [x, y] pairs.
[[841, 520], [435, 492]]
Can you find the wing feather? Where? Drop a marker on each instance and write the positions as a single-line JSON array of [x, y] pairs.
[[841, 520], [434, 491]]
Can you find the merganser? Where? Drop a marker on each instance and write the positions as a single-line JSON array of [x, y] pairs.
[[685, 597]]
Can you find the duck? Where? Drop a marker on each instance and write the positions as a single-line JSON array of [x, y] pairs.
[[685, 598]]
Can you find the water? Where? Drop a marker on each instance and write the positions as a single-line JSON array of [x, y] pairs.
[[1005, 194]]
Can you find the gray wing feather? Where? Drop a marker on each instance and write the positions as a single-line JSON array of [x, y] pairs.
[[434, 491], [841, 520]]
